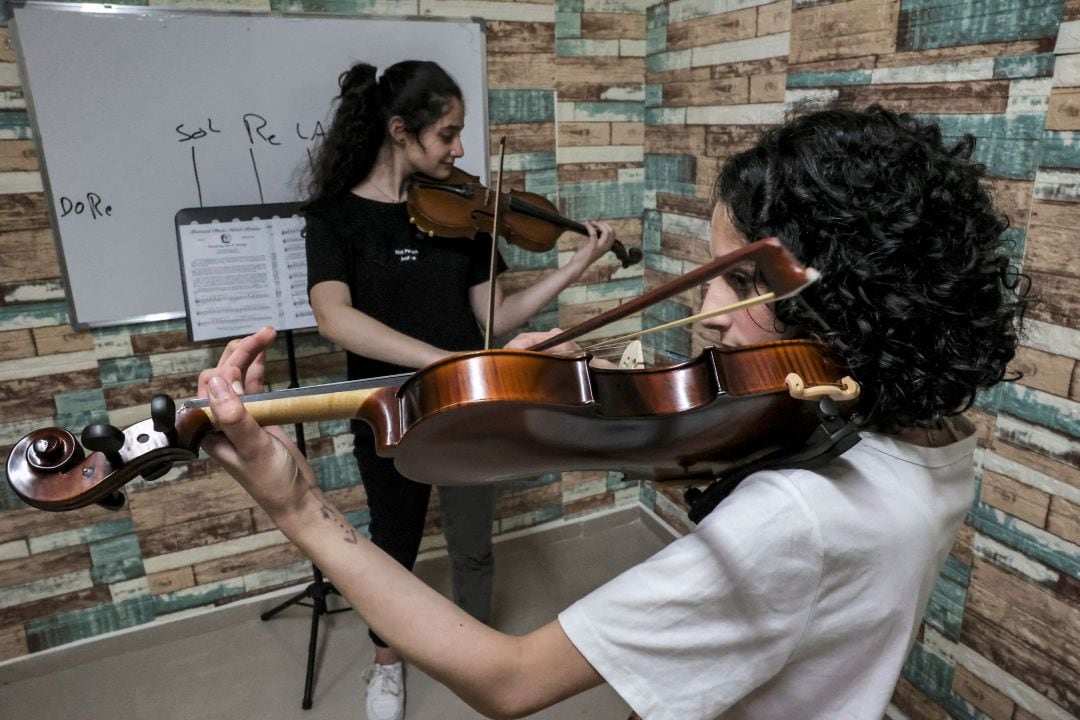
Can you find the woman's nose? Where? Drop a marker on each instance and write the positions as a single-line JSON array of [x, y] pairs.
[[714, 299], [458, 149]]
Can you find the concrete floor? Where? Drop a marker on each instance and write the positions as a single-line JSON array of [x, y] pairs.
[[228, 664]]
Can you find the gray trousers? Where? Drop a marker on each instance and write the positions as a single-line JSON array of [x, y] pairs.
[[398, 508]]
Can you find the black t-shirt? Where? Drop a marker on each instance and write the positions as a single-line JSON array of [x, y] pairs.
[[416, 284]]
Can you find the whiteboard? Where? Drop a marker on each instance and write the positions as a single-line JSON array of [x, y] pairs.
[[138, 113]]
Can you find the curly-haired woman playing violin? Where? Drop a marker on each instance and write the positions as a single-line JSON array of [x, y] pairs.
[[800, 594]]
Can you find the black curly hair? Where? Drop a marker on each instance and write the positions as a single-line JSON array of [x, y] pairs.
[[918, 297], [415, 90]]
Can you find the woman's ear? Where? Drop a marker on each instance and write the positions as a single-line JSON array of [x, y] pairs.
[[395, 127]]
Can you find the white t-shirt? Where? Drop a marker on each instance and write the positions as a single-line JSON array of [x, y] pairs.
[[798, 597]]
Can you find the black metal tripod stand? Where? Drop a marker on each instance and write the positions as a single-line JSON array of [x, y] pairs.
[[318, 590]]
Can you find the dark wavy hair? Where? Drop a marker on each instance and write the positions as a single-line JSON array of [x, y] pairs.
[[416, 90], [918, 297]]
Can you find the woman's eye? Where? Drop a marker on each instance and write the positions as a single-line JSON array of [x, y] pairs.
[[740, 283]]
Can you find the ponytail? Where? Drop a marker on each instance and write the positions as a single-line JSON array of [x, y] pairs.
[[416, 91]]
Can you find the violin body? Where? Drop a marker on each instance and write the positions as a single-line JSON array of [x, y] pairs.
[[489, 416], [461, 206], [486, 416]]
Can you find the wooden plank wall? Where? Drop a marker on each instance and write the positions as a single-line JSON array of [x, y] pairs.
[[999, 638], [193, 539], [617, 109]]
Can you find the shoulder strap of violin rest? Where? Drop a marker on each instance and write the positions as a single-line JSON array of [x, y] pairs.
[[834, 436]]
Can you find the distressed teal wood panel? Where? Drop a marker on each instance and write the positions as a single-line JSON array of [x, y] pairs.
[[945, 610], [512, 486], [652, 230], [8, 499], [1026, 126], [647, 496], [989, 399], [359, 519], [15, 125], [1015, 241], [521, 106], [656, 24], [1060, 150], [520, 259], [676, 341], [586, 47], [82, 536], [15, 317], [575, 6], [75, 625], [599, 201], [956, 571], [1041, 408], [1024, 66], [827, 79], [333, 427], [531, 162], [654, 96], [669, 60], [671, 174], [926, 24], [197, 596], [336, 471], [80, 401], [76, 421], [116, 559], [1029, 540], [543, 182], [609, 111], [929, 672], [1008, 157], [124, 371], [960, 709], [533, 517], [567, 24]]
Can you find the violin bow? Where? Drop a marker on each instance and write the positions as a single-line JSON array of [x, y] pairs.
[[494, 247], [784, 275]]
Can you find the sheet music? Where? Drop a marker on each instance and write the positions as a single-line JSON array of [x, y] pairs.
[[240, 275]]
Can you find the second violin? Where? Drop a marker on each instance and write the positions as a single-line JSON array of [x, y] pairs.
[[462, 206]]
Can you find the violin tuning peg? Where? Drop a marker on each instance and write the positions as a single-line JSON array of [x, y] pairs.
[[163, 413], [431, 233], [412, 220], [106, 439], [113, 501]]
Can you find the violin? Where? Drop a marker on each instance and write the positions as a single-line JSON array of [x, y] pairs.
[[490, 415], [460, 207]]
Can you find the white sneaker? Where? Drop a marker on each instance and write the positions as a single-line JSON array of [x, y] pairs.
[[385, 692]]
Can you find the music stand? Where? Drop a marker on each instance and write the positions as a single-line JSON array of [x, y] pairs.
[[318, 590], [227, 295]]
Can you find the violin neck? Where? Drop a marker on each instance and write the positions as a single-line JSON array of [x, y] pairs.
[[318, 403], [525, 208]]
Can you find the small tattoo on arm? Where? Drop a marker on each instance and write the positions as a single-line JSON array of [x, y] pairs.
[[338, 519]]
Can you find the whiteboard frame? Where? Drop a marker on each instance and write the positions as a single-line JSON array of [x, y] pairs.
[[170, 11]]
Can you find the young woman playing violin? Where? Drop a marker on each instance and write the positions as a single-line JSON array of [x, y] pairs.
[[800, 594], [396, 299]]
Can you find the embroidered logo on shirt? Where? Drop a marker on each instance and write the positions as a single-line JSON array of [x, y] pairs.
[[407, 254]]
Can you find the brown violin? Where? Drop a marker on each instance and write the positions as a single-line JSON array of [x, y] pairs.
[[460, 207], [491, 415]]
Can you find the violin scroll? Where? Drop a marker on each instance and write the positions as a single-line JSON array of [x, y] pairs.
[[50, 470]]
